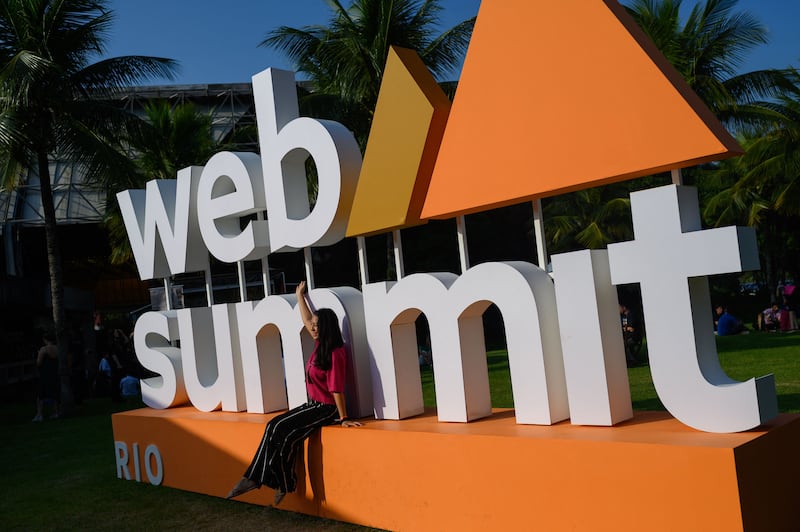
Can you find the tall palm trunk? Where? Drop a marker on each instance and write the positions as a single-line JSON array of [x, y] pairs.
[[56, 279]]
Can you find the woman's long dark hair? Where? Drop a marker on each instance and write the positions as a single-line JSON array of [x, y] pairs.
[[330, 337]]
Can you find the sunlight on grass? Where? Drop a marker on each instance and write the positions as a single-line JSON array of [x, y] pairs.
[[742, 358]]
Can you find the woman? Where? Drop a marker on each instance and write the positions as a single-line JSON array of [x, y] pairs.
[[274, 462]]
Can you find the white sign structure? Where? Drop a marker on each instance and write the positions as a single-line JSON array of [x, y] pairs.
[[564, 341], [670, 258]]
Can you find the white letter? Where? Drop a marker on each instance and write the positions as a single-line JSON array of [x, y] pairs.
[[136, 462], [670, 257], [286, 141], [269, 332], [210, 355], [525, 296], [168, 208], [121, 457], [225, 193], [151, 340], [591, 339], [155, 478]]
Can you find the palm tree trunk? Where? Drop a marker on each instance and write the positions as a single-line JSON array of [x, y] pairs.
[[56, 280]]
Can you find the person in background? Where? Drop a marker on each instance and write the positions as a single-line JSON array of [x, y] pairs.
[[273, 464], [49, 387], [109, 374], [631, 334], [770, 318], [727, 324], [129, 386]]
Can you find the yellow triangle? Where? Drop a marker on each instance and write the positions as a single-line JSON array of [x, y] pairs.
[[407, 128]]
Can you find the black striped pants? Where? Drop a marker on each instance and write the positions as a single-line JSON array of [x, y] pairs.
[[274, 462]]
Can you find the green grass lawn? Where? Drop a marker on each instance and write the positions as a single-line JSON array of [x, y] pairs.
[[60, 475], [742, 357]]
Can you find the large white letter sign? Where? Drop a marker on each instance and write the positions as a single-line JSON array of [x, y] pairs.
[[167, 208], [591, 339], [231, 186], [286, 140], [525, 296], [670, 256], [151, 340]]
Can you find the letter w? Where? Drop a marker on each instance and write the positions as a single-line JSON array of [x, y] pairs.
[[162, 227]]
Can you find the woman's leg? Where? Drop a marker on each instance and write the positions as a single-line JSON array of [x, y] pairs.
[[274, 462], [256, 470]]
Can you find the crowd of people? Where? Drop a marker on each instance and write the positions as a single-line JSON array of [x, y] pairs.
[[116, 374], [777, 317]]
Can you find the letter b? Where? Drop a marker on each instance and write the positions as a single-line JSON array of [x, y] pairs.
[[286, 141]]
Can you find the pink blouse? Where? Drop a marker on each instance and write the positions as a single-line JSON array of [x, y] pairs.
[[320, 384]]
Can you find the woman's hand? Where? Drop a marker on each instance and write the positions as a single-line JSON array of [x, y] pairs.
[[301, 289], [350, 423]]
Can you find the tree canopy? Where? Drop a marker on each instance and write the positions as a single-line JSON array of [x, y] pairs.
[[55, 92], [345, 59]]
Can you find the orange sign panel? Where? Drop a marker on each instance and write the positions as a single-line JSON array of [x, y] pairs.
[[419, 474], [559, 96]]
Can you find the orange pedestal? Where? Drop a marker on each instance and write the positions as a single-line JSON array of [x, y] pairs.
[[650, 473]]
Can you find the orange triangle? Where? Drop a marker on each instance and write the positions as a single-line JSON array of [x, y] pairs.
[[560, 96]]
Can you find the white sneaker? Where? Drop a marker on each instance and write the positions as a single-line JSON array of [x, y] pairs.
[[37, 419]]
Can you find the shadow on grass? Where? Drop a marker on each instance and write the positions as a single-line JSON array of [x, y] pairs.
[[61, 475]]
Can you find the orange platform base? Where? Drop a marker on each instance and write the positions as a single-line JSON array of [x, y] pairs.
[[650, 473]]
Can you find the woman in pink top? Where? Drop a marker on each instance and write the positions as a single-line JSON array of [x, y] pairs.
[[274, 462]]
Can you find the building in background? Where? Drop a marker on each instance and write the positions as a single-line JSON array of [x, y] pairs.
[[91, 283]]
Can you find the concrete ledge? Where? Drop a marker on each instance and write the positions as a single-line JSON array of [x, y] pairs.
[[650, 473]]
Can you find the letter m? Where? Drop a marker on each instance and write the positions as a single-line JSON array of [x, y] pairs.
[[162, 227], [454, 307]]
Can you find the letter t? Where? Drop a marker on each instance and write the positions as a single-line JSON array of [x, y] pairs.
[[670, 256]]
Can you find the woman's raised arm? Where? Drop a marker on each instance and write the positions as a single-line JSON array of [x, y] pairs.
[[305, 311]]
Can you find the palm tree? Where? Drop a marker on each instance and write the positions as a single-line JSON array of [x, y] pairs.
[[171, 138], [762, 189], [774, 156], [708, 49], [52, 106], [345, 60], [590, 218], [733, 202]]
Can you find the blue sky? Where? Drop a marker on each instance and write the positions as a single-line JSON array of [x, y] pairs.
[[216, 42]]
